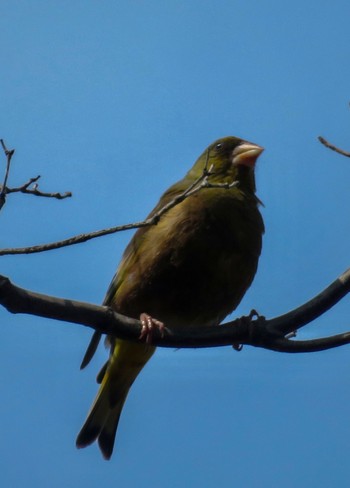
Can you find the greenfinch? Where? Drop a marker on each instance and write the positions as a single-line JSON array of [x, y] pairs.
[[191, 269]]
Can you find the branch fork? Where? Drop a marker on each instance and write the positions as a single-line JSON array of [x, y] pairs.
[[253, 330]]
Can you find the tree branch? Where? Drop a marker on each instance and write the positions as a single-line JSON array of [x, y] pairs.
[[334, 148], [8, 154], [25, 188], [254, 330], [195, 187], [315, 307], [35, 191], [315, 345]]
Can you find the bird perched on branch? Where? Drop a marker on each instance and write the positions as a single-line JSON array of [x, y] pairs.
[[191, 269]]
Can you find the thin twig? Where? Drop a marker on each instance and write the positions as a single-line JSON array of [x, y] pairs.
[[25, 188], [35, 191], [8, 153], [200, 183], [333, 147]]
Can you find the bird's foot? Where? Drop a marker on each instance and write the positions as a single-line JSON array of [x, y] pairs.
[[148, 325]]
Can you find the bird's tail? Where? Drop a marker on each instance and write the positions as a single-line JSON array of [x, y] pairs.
[[121, 371]]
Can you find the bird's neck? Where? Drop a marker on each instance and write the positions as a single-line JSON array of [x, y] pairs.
[[246, 178]]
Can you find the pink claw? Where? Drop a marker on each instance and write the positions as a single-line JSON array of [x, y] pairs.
[[148, 326]]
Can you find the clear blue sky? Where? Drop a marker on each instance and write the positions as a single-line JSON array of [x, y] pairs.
[[114, 101]]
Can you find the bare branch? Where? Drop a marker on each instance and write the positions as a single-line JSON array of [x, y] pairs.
[[315, 307], [25, 188], [196, 186], [254, 330], [334, 148], [8, 154], [315, 345]]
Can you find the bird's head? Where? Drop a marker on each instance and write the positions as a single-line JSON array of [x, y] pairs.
[[228, 159]]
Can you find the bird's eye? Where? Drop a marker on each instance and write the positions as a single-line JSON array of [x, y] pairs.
[[218, 146]]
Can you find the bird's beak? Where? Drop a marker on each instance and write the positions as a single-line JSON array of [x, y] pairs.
[[246, 154]]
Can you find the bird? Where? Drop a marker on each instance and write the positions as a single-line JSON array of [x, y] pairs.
[[190, 269]]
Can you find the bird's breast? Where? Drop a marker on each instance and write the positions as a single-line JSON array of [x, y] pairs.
[[195, 265]]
